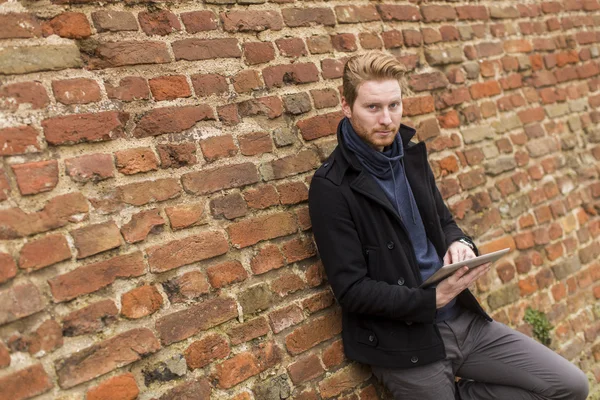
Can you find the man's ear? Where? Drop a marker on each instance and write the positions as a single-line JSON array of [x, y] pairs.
[[346, 109]]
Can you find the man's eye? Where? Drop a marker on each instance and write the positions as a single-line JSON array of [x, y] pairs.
[[394, 105], [372, 107]]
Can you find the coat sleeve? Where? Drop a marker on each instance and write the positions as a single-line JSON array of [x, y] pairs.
[[342, 255]]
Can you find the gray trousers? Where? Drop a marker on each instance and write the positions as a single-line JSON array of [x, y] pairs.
[[493, 362]]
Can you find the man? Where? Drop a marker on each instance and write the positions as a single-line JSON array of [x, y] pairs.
[[382, 228]]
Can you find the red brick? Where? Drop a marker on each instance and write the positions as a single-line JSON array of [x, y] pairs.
[[206, 49], [43, 252], [392, 39], [185, 251], [186, 215], [297, 73], [298, 249], [524, 240], [130, 88], [472, 12], [141, 225], [25, 383], [517, 46], [285, 317], [292, 192], [314, 332], [318, 302], [270, 106], [92, 277], [449, 120], [484, 89], [36, 177], [140, 302], [8, 267], [209, 84], [345, 42], [320, 125], [306, 17], [305, 369], [227, 177], [145, 192], [71, 25], [246, 81], [304, 161], [19, 140], [93, 167], [247, 364], [76, 91], [92, 127], [46, 338], [114, 21], [417, 105], [177, 155], [204, 351], [199, 21], [532, 115], [217, 147], [266, 259], [32, 94], [428, 81], [199, 388], [258, 52], [261, 197], [319, 44], [251, 21], [437, 13], [332, 69], [160, 22], [92, 318], [293, 47], [391, 12], [105, 356], [248, 330], [4, 356], [188, 286], [120, 387], [251, 231], [169, 87], [325, 98], [449, 33], [171, 120], [196, 318], [226, 273], [97, 238], [344, 379], [137, 160], [315, 274], [228, 206], [19, 25], [354, 14], [287, 283], [255, 143]]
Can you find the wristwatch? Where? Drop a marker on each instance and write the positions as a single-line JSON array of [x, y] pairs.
[[467, 240]]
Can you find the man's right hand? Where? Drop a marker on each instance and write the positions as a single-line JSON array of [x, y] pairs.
[[462, 279]]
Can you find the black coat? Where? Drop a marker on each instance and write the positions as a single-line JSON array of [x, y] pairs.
[[369, 260]]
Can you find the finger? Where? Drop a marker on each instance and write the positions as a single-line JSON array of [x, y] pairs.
[[447, 258]]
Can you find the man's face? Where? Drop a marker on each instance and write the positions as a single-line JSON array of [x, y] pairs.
[[376, 113]]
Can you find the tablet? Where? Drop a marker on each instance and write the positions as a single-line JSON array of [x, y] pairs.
[[449, 269]]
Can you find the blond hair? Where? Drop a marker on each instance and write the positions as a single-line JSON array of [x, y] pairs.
[[374, 65]]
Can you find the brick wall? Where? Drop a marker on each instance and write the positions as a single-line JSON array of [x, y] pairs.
[[155, 240]]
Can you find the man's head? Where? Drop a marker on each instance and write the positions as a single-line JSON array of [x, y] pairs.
[[372, 97]]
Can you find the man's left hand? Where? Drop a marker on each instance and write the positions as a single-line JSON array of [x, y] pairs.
[[458, 252]]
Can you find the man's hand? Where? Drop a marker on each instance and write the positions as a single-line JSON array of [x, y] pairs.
[[451, 287]]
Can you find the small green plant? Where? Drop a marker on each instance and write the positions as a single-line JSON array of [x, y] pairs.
[[541, 325]]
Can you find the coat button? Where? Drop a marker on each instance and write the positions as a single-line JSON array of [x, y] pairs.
[[414, 359], [390, 245], [409, 323], [401, 281], [371, 338]]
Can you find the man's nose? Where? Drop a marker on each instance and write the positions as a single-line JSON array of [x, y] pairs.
[[385, 118]]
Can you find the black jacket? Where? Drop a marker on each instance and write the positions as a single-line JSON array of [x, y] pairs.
[[369, 260]]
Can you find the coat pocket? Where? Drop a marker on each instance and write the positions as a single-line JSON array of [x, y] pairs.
[[372, 258]]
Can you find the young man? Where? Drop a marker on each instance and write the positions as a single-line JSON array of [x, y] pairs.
[[382, 228]]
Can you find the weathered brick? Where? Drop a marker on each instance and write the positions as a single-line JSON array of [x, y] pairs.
[[4, 356], [177, 155], [251, 231], [247, 364], [43, 252], [92, 318], [208, 84], [199, 317], [297, 73], [344, 42], [19, 25], [251, 21], [189, 286], [8, 267], [320, 125], [141, 193], [140, 302], [169, 87], [314, 332], [171, 120], [199, 21], [26, 59], [287, 283], [159, 22], [417, 105], [206, 49], [120, 54], [105, 356], [18, 140], [92, 277], [93, 167], [97, 238], [246, 81], [225, 274], [391, 12], [36, 177], [344, 379], [76, 91], [136, 160], [31, 94], [249, 330], [255, 143], [200, 388], [129, 88], [472, 12], [270, 106], [204, 351], [25, 383], [427, 81], [319, 44], [120, 387], [437, 13], [72, 25], [181, 252], [258, 52], [285, 317], [114, 21], [20, 301], [186, 215], [354, 14], [227, 177], [141, 225], [266, 259], [92, 127], [297, 17]]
